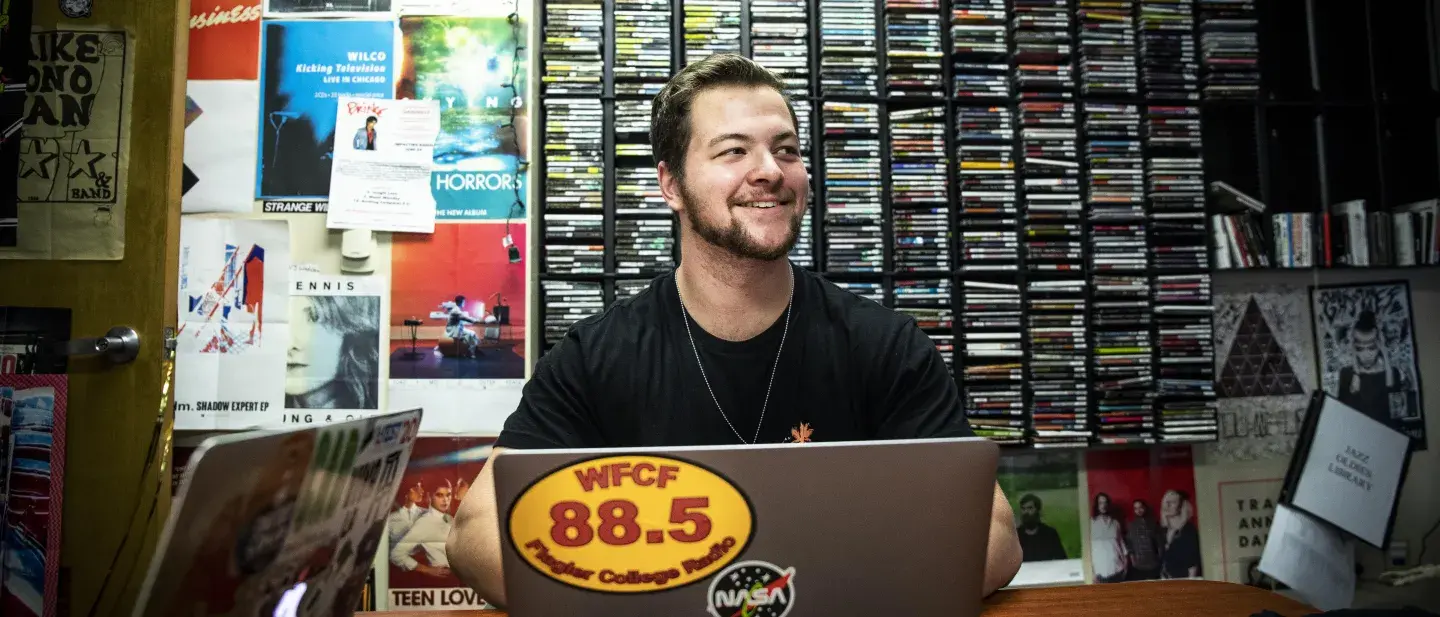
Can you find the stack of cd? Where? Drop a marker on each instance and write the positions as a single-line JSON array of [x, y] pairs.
[[853, 211], [989, 240], [1051, 176], [632, 121], [1185, 407], [567, 302], [1116, 197], [848, 61], [780, 41], [872, 291], [1043, 49], [1107, 48], [711, 27], [1176, 189], [928, 301], [575, 258], [644, 245], [1168, 67], [994, 366], [981, 48], [629, 288], [1122, 360], [913, 55], [1229, 49], [1058, 378], [642, 46], [637, 191], [574, 32], [919, 191], [803, 254], [574, 186]]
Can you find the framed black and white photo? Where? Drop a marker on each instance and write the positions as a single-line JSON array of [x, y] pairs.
[[1365, 345]]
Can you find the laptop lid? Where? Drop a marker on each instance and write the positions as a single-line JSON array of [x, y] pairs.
[[279, 523], [823, 529]]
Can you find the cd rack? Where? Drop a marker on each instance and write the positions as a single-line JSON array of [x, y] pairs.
[[1010, 208]]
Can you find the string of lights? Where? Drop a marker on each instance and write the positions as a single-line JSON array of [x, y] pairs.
[[517, 207]]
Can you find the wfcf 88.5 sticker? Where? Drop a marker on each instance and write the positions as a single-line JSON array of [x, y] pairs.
[[630, 524]]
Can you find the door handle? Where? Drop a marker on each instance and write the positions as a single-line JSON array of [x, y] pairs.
[[120, 345]]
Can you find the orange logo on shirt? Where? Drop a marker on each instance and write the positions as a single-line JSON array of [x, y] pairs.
[[801, 434]]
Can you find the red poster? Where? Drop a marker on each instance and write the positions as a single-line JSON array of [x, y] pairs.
[[32, 467], [1142, 514], [224, 39], [439, 474]]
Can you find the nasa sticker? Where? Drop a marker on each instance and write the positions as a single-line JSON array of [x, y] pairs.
[[752, 589]]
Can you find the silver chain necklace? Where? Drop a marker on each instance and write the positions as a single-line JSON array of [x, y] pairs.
[[783, 333]]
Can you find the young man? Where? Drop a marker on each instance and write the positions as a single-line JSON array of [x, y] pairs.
[[737, 346]]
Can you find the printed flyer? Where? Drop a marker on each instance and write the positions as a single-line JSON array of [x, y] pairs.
[[381, 176], [464, 63], [231, 352], [441, 471], [222, 99], [307, 66], [332, 366]]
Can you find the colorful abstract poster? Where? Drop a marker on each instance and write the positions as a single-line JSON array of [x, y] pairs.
[[231, 364], [440, 472], [1044, 491], [465, 63], [1266, 368], [222, 99], [32, 408], [307, 65], [1143, 521], [457, 324]]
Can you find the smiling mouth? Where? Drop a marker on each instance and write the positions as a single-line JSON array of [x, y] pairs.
[[764, 205]]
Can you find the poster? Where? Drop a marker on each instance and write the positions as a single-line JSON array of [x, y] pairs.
[[326, 8], [1266, 368], [222, 99], [381, 176], [31, 499], [1143, 522], [457, 324], [74, 154], [14, 63], [440, 473], [465, 64], [1365, 335], [1044, 492], [231, 352], [29, 339], [306, 66], [1247, 510], [332, 365]]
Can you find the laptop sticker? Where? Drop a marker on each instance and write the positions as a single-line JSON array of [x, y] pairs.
[[630, 524], [752, 589]]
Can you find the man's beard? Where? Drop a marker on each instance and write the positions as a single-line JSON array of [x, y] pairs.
[[733, 238]]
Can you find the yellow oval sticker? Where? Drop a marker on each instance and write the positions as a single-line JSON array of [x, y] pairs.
[[631, 524]]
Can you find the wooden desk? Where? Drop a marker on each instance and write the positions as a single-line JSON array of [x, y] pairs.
[[1169, 598]]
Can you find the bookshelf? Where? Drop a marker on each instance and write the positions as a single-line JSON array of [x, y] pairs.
[[1345, 109]]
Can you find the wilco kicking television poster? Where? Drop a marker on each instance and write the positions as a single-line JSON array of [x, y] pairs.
[[465, 64], [307, 65]]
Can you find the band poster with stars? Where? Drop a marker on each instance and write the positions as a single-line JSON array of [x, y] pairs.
[[73, 154]]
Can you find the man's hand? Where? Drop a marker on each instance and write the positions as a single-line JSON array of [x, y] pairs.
[[1003, 556]]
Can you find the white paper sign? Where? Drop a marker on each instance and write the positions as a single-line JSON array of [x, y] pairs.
[[1312, 558], [1352, 472], [332, 370], [458, 406], [384, 153], [234, 330]]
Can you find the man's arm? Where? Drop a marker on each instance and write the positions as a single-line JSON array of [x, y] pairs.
[[474, 543], [1003, 555]]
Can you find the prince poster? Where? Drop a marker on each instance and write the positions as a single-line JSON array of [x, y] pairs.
[[1365, 336]]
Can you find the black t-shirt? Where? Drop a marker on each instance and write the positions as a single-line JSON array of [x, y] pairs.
[[1042, 545], [850, 369]]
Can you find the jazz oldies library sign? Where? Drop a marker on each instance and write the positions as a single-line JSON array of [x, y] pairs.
[[73, 117]]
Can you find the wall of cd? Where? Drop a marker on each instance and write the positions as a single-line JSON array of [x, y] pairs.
[[1027, 178]]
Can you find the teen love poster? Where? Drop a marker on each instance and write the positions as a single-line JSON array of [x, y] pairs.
[[439, 475]]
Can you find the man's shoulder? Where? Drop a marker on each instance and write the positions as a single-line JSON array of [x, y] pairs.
[[859, 315], [622, 320]]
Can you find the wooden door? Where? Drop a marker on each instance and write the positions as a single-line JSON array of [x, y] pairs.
[[113, 409]]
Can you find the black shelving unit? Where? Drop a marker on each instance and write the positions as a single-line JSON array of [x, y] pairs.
[[1346, 108]]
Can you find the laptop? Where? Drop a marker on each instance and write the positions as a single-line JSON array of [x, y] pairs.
[[820, 529], [279, 523]]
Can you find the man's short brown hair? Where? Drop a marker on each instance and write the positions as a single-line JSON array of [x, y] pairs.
[[670, 114]]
